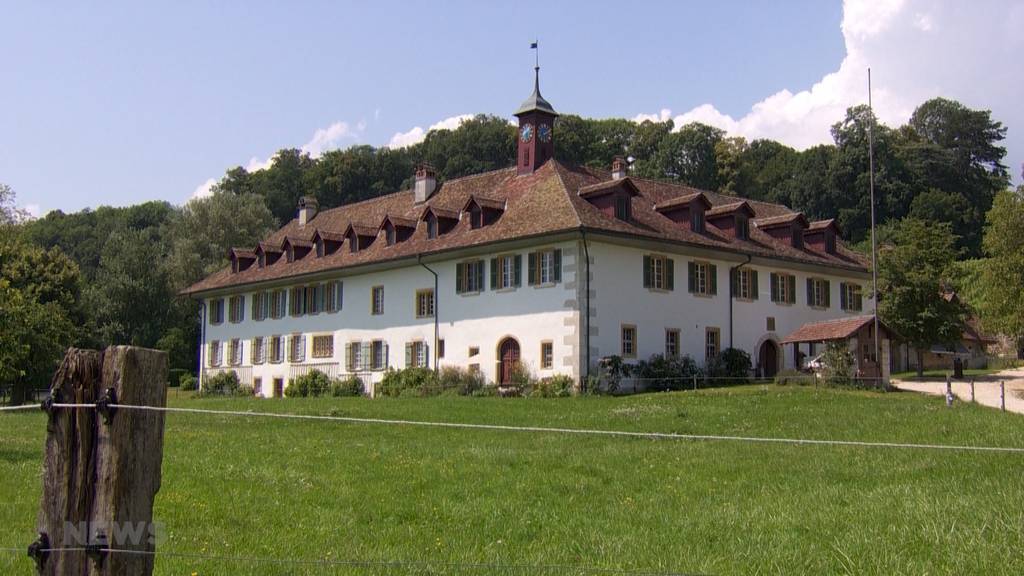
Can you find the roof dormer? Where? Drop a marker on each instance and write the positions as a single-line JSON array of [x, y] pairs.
[[688, 210], [483, 211], [820, 236], [788, 228], [327, 243], [397, 229], [295, 248], [241, 259], [267, 254], [439, 221], [733, 219], [359, 236], [612, 197]]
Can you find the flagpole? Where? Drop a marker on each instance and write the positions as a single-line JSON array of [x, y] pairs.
[[874, 245]]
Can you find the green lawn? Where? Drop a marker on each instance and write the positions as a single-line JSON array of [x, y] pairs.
[[279, 488]]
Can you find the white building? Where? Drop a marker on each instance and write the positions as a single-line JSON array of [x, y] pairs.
[[544, 264]]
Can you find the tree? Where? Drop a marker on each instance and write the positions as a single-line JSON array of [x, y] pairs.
[[687, 156], [1002, 303], [912, 274], [9, 211]]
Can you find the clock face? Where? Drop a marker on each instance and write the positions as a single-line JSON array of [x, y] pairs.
[[544, 133], [526, 132]]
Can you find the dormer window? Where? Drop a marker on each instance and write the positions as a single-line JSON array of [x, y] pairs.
[[612, 197], [353, 245], [742, 227], [439, 221], [326, 243], [733, 219], [686, 210], [788, 228], [476, 217], [622, 208], [241, 259], [431, 226], [360, 237], [483, 211], [390, 236], [697, 221], [821, 236]]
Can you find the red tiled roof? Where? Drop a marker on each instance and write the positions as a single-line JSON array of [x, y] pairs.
[[298, 242], [484, 202], [544, 202], [822, 224], [268, 246], [838, 329], [608, 186], [722, 209], [332, 236], [781, 220], [242, 253], [683, 200], [399, 221], [440, 213]]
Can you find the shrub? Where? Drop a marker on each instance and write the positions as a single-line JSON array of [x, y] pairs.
[[558, 386], [174, 376], [315, 383], [223, 384], [188, 382], [396, 382], [351, 386], [785, 377], [731, 366], [837, 365], [463, 382], [661, 373], [612, 370], [521, 377]]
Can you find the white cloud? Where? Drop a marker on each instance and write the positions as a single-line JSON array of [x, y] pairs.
[[917, 50], [203, 190], [417, 133]]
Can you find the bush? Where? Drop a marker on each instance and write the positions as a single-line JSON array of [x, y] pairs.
[[420, 381], [351, 386], [661, 373], [460, 380], [731, 366], [188, 382], [837, 365], [223, 384], [174, 376], [315, 383], [558, 386], [611, 370], [796, 377]]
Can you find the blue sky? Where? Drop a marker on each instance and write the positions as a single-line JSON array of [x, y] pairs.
[[121, 103]]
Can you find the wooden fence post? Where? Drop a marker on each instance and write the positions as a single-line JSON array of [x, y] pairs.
[[102, 468]]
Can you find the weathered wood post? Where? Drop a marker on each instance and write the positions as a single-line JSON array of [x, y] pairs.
[[972, 390], [1002, 395], [102, 465]]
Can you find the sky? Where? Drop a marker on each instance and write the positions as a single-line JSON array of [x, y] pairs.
[[116, 103]]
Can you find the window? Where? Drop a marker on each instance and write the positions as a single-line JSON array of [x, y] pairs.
[[476, 217], [783, 287], [506, 271], [431, 227], [215, 353], [353, 243], [296, 348], [355, 360], [818, 293], [235, 352], [377, 300], [850, 297], [712, 343], [742, 227], [389, 235], [547, 355], [628, 341], [236, 309], [323, 346], [217, 311], [469, 277], [276, 350], [473, 351], [314, 299], [260, 306], [622, 208], [830, 242], [440, 348], [257, 386], [671, 343], [544, 267], [703, 279], [278, 387], [770, 324], [697, 220], [332, 297], [744, 284], [416, 354], [379, 355], [425, 303], [277, 303], [297, 301], [659, 272], [259, 353]]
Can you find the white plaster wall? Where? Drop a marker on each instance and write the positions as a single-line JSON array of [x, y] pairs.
[[619, 297], [529, 314]]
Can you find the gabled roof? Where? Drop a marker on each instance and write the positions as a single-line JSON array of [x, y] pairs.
[[484, 202], [823, 224], [440, 213], [681, 201], [826, 330], [732, 208], [601, 188], [265, 247], [241, 253], [781, 220], [329, 236], [296, 243], [397, 221], [544, 202]]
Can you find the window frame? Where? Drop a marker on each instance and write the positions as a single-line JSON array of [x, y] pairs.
[[258, 352], [473, 277], [216, 311], [547, 354], [702, 271], [670, 335], [852, 292], [712, 339], [376, 310], [818, 293], [632, 340], [235, 351], [276, 349], [424, 309], [378, 347], [316, 352]]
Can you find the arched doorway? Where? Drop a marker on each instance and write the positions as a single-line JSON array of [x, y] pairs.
[[508, 357], [768, 359]]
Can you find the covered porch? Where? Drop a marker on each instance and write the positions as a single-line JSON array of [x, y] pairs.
[[857, 332]]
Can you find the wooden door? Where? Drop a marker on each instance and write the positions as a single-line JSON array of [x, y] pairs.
[[508, 354], [769, 359]]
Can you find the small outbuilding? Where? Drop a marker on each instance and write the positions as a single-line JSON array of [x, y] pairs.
[[858, 332]]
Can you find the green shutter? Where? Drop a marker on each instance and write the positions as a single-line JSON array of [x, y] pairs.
[[670, 273], [828, 293], [791, 280], [647, 271], [460, 278], [773, 279], [810, 292], [494, 273], [843, 300], [531, 268], [753, 285], [558, 265], [480, 275], [691, 283], [713, 278], [408, 354], [860, 300], [518, 270]]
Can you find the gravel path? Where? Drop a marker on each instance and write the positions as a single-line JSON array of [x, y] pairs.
[[986, 388]]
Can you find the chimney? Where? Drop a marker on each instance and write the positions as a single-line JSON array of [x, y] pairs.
[[426, 182], [619, 167], [308, 207]]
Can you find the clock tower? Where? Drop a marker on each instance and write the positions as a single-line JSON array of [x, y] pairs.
[[536, 130]]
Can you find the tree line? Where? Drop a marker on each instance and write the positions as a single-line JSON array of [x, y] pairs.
[[112, 275]]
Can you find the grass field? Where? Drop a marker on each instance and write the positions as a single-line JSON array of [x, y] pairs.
[[274, 488]]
